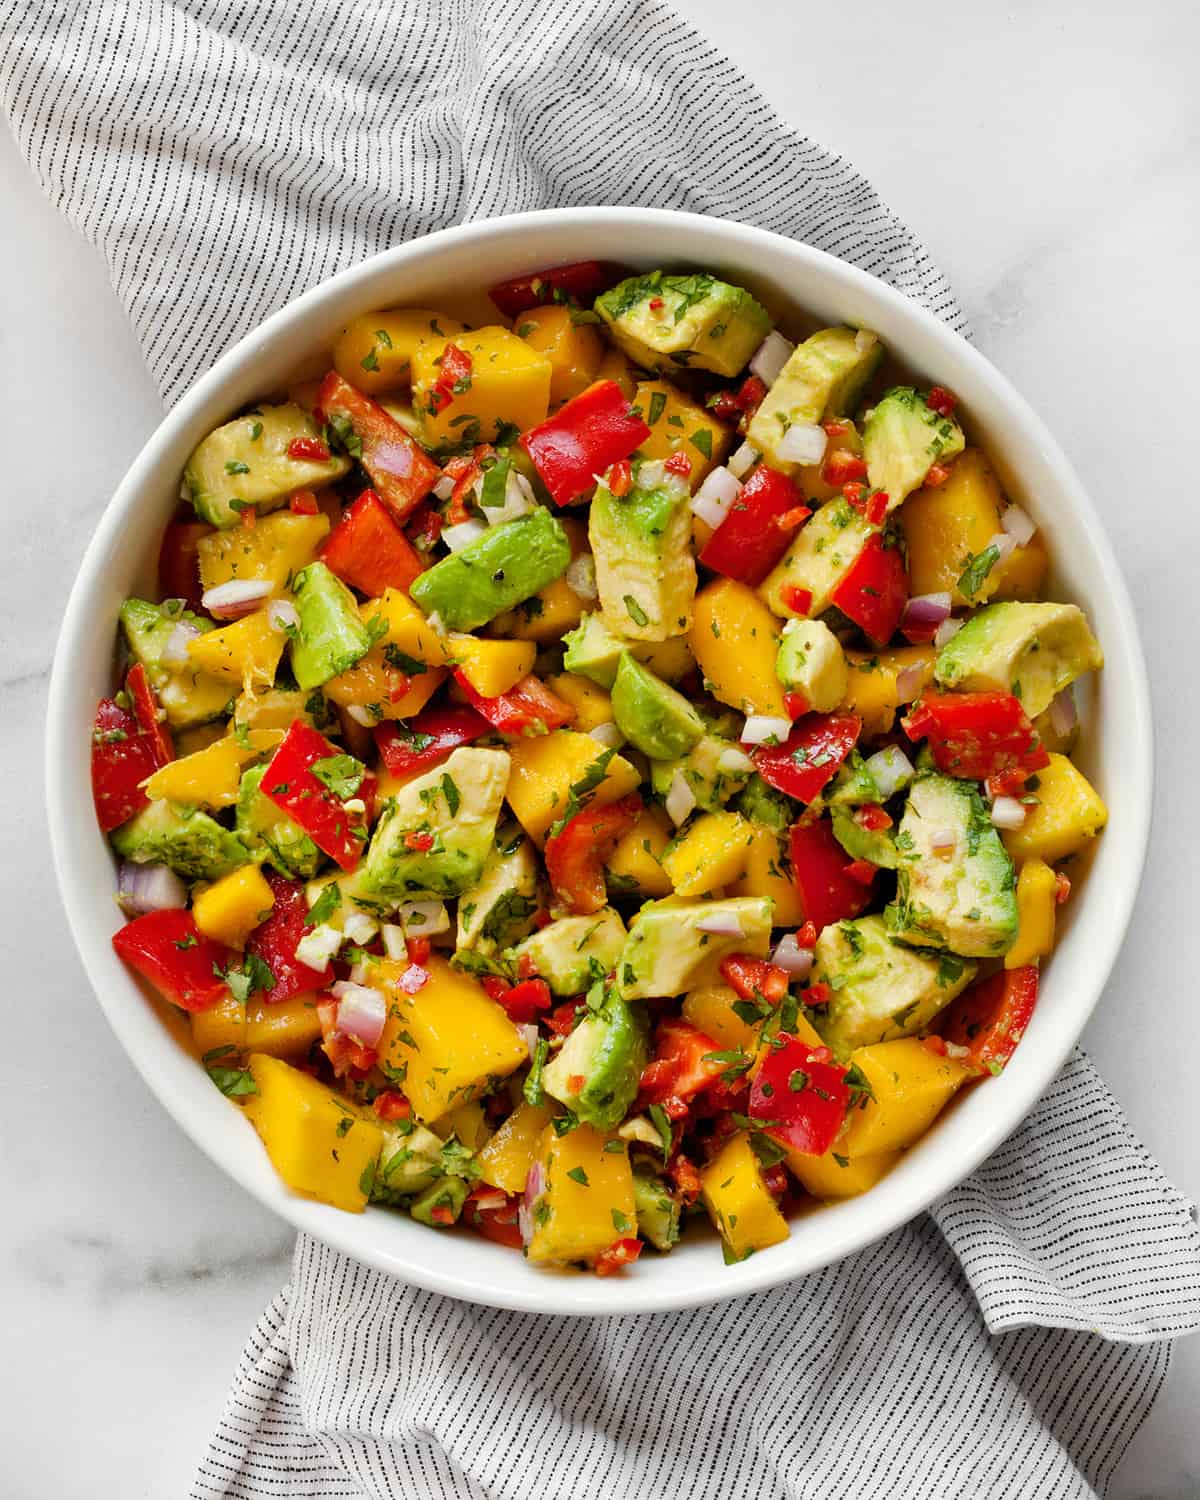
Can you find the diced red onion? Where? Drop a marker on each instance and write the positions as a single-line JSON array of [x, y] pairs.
[[721, 924], [908, 682], [283, 616], [361, 1012], [795, 961], [943, 838], [423, 918], [1064, 716], [1004, 544], [1019, 525], [762, 729], [743, 460], [680, 799], [712, 500], [890, 769], [444, 488], [144, 888], [318, 946], [238, 597], [175, 647], [925, 612], [361, 715], [359, 927], [735, 762], [946, 632], [581, 576], [394, 944], [462, 535], [802, 443], [608, 735], [1007, 812], [413, 978], [535, 1186], [530, 1034], [770, 357]]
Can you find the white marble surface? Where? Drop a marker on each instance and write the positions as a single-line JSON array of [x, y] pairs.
[[1048, 155]]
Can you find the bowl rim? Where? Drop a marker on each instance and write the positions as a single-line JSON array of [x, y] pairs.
[[583, 1295]]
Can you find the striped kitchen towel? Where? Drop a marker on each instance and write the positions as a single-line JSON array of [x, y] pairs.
[[224, 158]]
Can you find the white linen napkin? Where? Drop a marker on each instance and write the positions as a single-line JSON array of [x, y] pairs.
[[1008, 1343]]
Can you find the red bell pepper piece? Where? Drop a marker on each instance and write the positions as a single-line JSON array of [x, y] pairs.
[[582, 281], [168, 949], [150, 717], [561, 1020], [875, 590], [583, 438], [493, 1214], [274, 941], [802, 1093], [976, 735], [292, 784], [523, 1001], [577, 854], [426, 740], [391, 1105], [402, 473], [309, 449], [302, 503], [810, 756], [841, 466], [454, 378], [179, 561], [367, 550], [528, 708], [682, 1064], [122, 758], [754, 976], [990, 1017], [821, 869], [733, 406], [620, 1253], [748, 542]]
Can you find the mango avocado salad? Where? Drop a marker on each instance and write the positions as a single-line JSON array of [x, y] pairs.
[[603, 767]]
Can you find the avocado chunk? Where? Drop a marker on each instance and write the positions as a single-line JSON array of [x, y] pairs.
[[499, 911], [246, 465], [457, 803], [331, 636], [853, 785], [440, 1199], [270, 835], [669, 951], [572, 953], [715, 769], [876, 846], [663, 321], [653, 717], [657, 1210], [810, 661], [903, 438], [822, 554], [608, 1050], [766, 807], [409, 1162], [1032, 650], [506, 565], [823, 378], [962, 898], [188, 696], [880, 990], [191, 842], [593, 651], [642, 547]]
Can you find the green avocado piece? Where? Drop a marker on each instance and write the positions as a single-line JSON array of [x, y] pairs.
[[188, 697], [877, 847], [715, 769], [822, 554], [191, 842], [810, 661], [763, 805], [903, 438], [668, 951], [1032, 650], [653, 717], [447, 1193], [506, 565], [245, 464], [853, 784], [593, 651], [499, 911], [458, 803], [642, 547], [270, 835], [880, 990], [331, 636], [571, 953], [665, 321], [409, 1162], [608, 1050], [823, 379], [965, 899], [657, 1210]]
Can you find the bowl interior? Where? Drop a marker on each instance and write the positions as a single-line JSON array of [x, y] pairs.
[[804, 287]]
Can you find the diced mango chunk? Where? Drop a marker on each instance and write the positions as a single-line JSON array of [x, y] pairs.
[[835, 1176], [276, 548], [246, 652], [573, 349], [946, 524], [375, 350], [711, 1010], [1069, 813], [1037, 905], [283, 1028], [492, 667], [636, 863], [220, 1030], [211, 776], [505, 1161], [873, 690], [587, 1202], [712, 852], [739, 1202], [679, 424], [909, 1084], [735, 639], [408, 629], [388, 667], [767, 874], [509, 383], [230, 908], [544, 769]]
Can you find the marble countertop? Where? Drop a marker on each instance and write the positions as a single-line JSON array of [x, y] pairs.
[[1047, 154]]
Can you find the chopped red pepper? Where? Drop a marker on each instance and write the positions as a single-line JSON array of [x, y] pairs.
[[990, 1018], [391, 1105], [402, 473], [249, 518], [941, 401], [810, 756], [523, 1001], [806, 937], [528, 708], [934, 1044], [424, 528], [801, 1093], [310, 448], [938, 474], [679, 463], [875, 590], [733, 406], [683, 1174], [872, 817], [747, 544], [150, 717], [168, 949], [863, 871], [841, 466], [454, 377], [817, 994], [798, 600], [976, 735], [561, 1020], [419, 949], [427, 740], [584, 438], [420, 843], [681, 1065], [581, 282], [275, 940], [304, 503], [291, 784], [179, 561], [577, 854], [122, 758], [620, 1253], [797, 705], [620, 478], [493, 1214], [752, 977], [820, 869], [1062, 887], [345, 1054], [367, 550]]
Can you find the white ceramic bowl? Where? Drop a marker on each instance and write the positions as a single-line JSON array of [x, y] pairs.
[[1115, 751]]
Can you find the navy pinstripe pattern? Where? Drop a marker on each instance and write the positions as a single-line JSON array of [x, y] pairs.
[[1008, 1344]]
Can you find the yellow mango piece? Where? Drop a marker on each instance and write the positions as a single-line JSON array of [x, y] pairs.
[[710, 1009], [676, 423], [466, 1121], [278, 708], [1037, 905], [943, 525], [636, 863], [492, 667], [303, 1125], [276, 548], [505, 1161], [230, 908], [739, 1204], [370, 682], [766, 875], [375, 351], [1021, 574], [835, 1176], [1068, 815], [911, 1086], [544, 769], [574, 349], [872, 692], [451, 1039], [734, 638], [283, 1028], [592, 704], [408, 628], [211, 776], [548, 616], [588, 1198], [188, 741], [670, 659], [246, 652], [712, 852], [220, 1029], [617, 367], [510, 382]]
